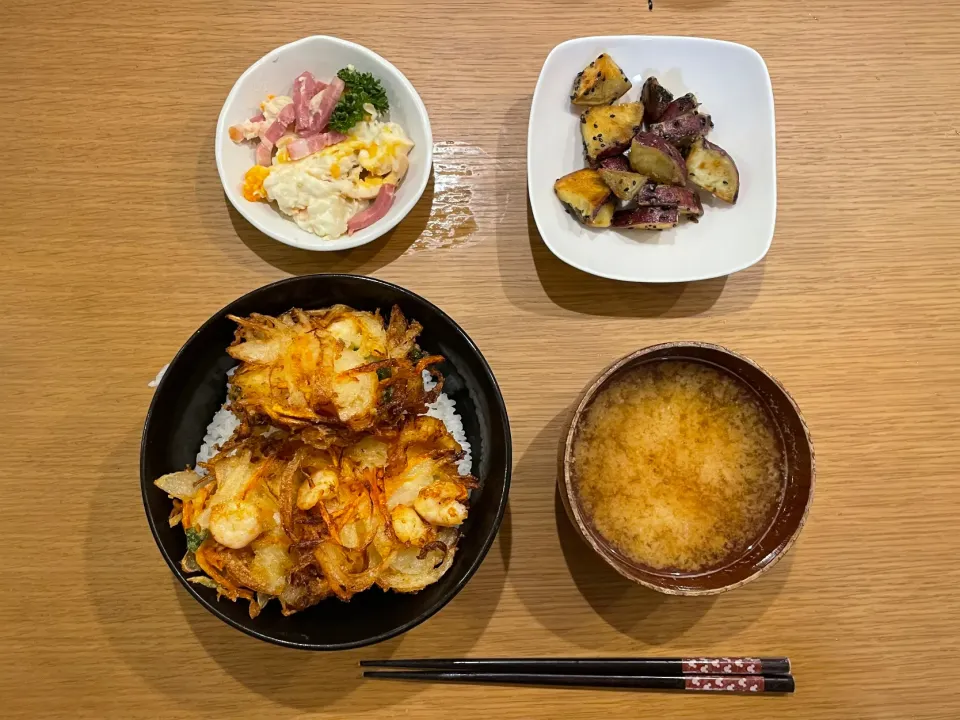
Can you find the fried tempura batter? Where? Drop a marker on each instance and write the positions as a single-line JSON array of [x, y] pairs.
[[334, 482], [337, 366]]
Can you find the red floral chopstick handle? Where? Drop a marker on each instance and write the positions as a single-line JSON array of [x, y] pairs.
[[726, 683], [722, 666]]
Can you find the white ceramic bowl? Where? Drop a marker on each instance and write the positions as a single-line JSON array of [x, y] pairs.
[[732, 84], [274, 73]]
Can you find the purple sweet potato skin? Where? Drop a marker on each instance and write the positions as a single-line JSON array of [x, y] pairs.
[[685, 200], [647, 218], [655, 98], [617, 162], [614, 149], [684, 129], [681, 106]]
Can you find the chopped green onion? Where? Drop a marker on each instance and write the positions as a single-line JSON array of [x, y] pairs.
[[195, 539]]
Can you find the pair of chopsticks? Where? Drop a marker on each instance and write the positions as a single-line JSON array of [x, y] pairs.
[[719, 674]]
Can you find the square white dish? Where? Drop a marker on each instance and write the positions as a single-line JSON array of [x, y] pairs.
[[732, 83]]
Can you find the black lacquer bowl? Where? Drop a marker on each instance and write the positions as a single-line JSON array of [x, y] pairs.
[[194, 387]]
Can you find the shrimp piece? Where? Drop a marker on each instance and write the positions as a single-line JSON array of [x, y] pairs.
[[409, 528], [235, 524], [322, 485], [442, 503]]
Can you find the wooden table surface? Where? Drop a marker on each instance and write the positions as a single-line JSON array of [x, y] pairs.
[[118, 242]]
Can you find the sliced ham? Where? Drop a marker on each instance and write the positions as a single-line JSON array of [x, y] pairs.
[[304, 88], [323, 103], [300, 148], [376, 211], [257, 118], [286, 115], [272, 132], [264, 154]]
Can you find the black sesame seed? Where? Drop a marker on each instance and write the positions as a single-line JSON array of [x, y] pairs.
[[612, 115], [595, 125], [724, 182]]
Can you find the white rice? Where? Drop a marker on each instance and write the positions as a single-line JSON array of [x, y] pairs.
[[445, 409], [220, 429], [225, 423], [156, 381]]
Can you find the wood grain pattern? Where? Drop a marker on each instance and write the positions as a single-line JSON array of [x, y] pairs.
[[118, 243]]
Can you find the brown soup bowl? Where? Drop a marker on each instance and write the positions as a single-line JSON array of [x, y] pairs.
[[798, 481]]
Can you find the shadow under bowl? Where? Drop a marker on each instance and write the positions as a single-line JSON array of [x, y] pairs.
[[798, 477], [195, 386]]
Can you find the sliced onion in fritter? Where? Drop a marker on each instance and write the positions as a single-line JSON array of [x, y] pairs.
[[410, 573], [329, 464], [182, 485]]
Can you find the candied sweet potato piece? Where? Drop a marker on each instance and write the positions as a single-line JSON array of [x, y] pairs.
[[655, 99], [710, 167], [584, 194], [654, 157], [604, 215], [600, 83], [608, 129], [625, 185]]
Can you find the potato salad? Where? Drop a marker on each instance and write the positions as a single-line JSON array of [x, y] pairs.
[[326, 155]]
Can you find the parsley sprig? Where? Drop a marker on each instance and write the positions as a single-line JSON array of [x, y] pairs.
[[360, 88]]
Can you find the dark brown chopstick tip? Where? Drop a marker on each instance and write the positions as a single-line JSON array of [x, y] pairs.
[[781, 684], [396, 663]]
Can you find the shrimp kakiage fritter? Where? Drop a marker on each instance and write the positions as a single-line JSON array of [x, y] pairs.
[[314, 497], [335, 366]]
